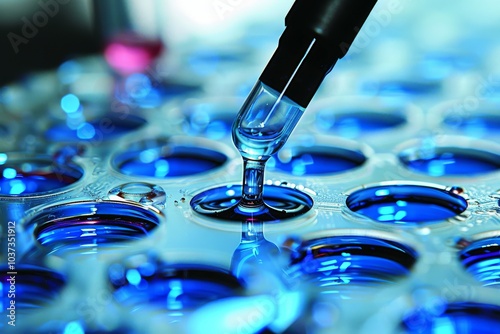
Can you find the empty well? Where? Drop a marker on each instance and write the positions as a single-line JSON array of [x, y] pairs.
[[456, 318], [85, 224], [347, 263], [482, 259], [164, 159], [36, 175], [406, 204]]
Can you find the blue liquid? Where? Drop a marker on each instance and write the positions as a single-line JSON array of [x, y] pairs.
[[482, 260], [37, 176], [107, 127], [169, 161], [318, 160], [222, 203], [84, 224], [406, 204], [35, 287], [457, 318], [474, 125], [264, 123], [403, 87], [341, 262], [452, 161], [172, 287], [355, 123]]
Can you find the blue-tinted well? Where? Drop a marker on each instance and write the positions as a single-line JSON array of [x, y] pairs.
[[354, 123], [26, 177], [84, 224], [450, 161], [176, 287], [406, 204], [345, 261], [107, 127], [482, 259], [212, 120], [33, 287], [169, 161], [456, 318], [281, 202], [474, 124], [316, 160]]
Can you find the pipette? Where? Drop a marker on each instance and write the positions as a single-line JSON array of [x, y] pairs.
[[317, 34]]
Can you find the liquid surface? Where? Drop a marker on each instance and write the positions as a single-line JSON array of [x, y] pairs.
[[21, 177], [87, 224], [482, 260], [169, 161], [457, 318], [281, 202], [349, 262], [355, 123], [317, 160], [451, 161], [406, 204], [34, 287]]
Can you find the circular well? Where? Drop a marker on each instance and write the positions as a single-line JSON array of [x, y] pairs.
[[21, 176], [210, 118], [450, 161], [281, 202], [457, 318], [107, 127], [316, 160], [351, 261], [89, 223], [473, 124], [164, 159], [406, 203], [482, 259], [34, 286], [175, 287]]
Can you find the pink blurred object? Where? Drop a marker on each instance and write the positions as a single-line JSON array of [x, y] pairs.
[[131, 53]]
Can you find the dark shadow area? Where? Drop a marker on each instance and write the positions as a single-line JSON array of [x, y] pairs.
[[39, 41]]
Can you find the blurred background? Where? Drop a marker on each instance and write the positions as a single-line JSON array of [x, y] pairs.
[[115, 92], [42, 34]]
